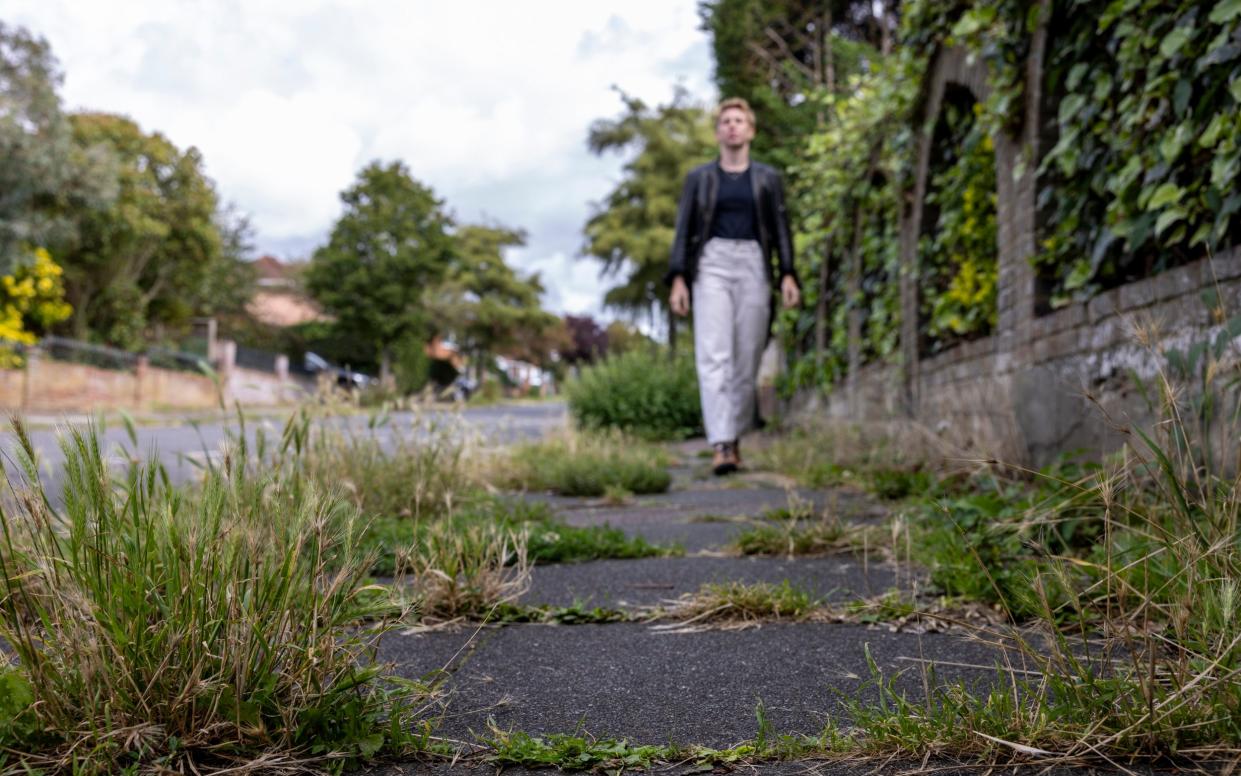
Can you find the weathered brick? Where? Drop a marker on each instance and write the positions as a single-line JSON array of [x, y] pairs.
[[1136, 295], [1177, 282], [1102, 306]]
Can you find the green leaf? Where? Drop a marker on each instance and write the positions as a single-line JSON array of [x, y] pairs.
[[1225, 11], [1210, 298], [1210, 135], [1175, 40], [370, 745], [1076, 74], [1234, 88], [1176, 140], [1167, 218], [1121, 180], [1166, 194], [1224, 168], [1071, 106], [1180, 98], [16, 694]]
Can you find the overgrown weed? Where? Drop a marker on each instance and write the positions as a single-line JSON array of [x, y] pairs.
[[1122, 583], [160, 628]]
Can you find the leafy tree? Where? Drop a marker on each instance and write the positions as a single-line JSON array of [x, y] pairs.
[[545, 347], [622, 338], [140, 263], [631, 231], [391, 244], [44, 176], [780, 56], [485, 304], [229, 285], [589, 340]]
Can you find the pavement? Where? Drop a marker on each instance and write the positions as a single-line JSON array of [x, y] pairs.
[[637, 681]]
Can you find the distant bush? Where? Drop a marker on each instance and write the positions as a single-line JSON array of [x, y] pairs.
[[642, 392], [585, 464]]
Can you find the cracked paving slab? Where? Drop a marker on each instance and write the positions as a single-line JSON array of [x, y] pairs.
[[629, 681], [648, 582]]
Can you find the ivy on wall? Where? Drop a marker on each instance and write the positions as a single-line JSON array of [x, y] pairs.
[[849, 177], [1140, 144], [1147, 120]]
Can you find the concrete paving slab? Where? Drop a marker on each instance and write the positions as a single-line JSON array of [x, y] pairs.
[[629, 681], [694, 505], [648, 581], [690, 537]]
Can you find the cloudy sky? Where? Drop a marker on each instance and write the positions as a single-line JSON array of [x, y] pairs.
[[487, 102]]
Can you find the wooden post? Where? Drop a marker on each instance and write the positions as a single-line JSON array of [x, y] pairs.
[[225, 366], [282, 374], [33, 356]]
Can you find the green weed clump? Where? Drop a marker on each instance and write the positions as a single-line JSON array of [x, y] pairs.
[[544, 537], [465, 568], [643, 392], [587, 464], [161, 629], [741, 604], [792, 537], [416, 468], [1122, 582]]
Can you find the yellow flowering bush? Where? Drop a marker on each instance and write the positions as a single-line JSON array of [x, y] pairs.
[[32, 298]]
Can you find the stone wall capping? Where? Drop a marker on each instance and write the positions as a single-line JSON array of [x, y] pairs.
[[1102, 306]]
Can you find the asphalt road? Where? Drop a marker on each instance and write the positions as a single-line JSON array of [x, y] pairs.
[[183, 446]]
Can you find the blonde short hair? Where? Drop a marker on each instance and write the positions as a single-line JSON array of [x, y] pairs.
[[737, 103]]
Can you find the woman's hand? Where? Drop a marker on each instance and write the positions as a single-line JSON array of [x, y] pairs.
[[678, 300], [789, 292]]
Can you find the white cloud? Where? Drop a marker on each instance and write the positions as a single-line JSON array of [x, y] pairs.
[[488, 102]]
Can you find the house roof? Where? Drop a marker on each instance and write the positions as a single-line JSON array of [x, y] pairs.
[[273, 272]]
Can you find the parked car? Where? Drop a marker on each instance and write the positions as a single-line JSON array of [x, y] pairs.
[[344, 377]]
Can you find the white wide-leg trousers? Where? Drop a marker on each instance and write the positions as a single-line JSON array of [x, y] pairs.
[[731, 298]]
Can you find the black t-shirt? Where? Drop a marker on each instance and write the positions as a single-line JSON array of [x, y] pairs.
[[734, 207]]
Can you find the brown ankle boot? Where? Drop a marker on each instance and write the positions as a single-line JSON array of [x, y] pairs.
[[724, 461]]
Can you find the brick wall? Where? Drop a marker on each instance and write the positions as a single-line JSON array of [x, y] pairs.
[[46, 385], [1038, 386]]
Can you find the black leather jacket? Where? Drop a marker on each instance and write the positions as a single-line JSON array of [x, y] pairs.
[[698, 206]]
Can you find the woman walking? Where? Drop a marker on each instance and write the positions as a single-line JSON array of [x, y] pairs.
[[730, 220]]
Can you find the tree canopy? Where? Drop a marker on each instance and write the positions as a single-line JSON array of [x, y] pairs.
[[486, 305], [142, 259], [44, 175], [631, 231], [390, 246]]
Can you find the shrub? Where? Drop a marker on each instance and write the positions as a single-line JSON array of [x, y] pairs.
[[642, 392], [587, 464]]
